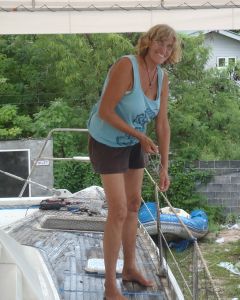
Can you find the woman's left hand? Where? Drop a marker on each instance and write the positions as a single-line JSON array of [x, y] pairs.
[[164, 180]]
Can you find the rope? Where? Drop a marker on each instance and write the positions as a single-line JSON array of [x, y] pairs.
[[170, 251], [189, 233]]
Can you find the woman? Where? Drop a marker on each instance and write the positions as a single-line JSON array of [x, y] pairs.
[[131, 97]]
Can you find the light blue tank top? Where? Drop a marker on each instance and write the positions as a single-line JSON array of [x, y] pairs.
[[135, 108]]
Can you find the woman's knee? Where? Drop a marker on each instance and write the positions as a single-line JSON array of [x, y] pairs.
[[118, 214], [134, 203]]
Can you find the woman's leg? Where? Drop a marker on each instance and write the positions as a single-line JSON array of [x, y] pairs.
[[117, 211], [133, 187]]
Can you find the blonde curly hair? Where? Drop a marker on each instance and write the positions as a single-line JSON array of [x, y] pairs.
[[160, 32]]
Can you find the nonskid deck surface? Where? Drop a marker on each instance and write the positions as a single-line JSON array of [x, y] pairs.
[[66, 254]]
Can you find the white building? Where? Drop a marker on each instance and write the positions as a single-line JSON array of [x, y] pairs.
[[224, 45]]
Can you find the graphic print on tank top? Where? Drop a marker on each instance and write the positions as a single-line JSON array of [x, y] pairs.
[[139, 124]]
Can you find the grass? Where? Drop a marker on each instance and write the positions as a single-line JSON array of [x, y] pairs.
[[226, 283]]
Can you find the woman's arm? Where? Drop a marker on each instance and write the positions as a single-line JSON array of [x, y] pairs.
[[120, 81], [163, 134]]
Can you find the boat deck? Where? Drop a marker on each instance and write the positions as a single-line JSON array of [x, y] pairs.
[[66, 253]]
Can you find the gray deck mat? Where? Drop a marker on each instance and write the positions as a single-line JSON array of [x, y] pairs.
[[66, 254]]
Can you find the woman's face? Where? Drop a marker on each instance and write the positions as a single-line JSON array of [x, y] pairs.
[[160, 50]]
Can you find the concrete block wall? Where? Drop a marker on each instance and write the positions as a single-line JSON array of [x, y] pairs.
[[224, 187]]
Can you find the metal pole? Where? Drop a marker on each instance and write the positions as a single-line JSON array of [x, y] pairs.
[[162, 271], [43, 147], [28, 181], [34, 164]]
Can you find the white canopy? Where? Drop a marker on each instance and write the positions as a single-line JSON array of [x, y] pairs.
[[95, 16]]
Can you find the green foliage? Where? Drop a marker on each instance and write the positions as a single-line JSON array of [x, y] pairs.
[[74, 176], [7, 89], [57, 115], [13, 125], [204, 108], [226, 283], [234, 71], [182, 192], [148, 193], [37, 70], [42, 68], [31, 71], [232, 218], [191, 67], [60, 115], [90, 58]]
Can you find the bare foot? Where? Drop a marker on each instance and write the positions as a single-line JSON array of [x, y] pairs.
[[112, 293], [135, 276]]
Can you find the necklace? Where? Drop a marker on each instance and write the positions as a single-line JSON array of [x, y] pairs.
[[150, 81]]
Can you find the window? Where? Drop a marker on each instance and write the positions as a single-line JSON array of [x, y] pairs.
[[231, 60], [16, 162], [223, 62]]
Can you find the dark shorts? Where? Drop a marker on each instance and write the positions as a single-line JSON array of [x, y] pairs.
[[110, 160]]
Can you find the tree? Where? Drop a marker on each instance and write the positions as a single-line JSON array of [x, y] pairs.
[[204, 107], [86, 66], [60, 115], [31, 71], [12, 124], [8, 91], [42, 68]]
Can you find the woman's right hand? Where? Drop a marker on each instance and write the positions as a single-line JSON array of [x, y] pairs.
[[147, 144]]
